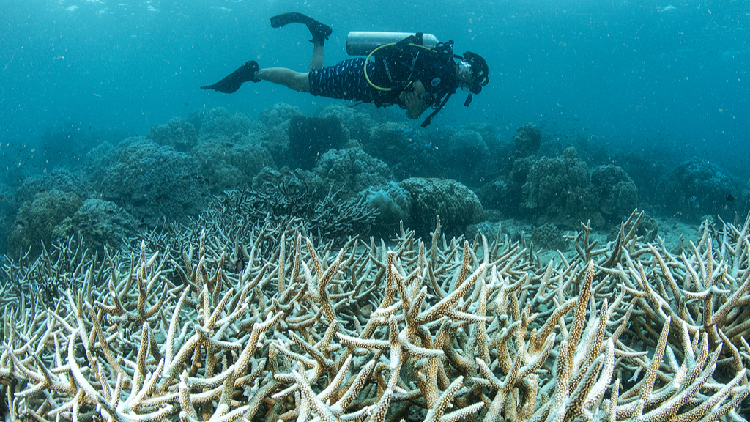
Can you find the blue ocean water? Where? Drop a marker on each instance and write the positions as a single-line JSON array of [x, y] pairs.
[[625, 73]]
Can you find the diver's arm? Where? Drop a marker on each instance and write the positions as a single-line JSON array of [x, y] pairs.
[[413, 101]]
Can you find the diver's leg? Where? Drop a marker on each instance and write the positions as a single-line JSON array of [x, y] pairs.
[[287, 77], [317, 57]]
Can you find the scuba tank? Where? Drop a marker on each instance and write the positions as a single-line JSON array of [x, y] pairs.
[[363, 43]]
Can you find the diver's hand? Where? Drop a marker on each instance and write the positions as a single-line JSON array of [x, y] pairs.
[[413, 101]]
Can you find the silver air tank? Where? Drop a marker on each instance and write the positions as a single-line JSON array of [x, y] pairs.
[[362, 43]]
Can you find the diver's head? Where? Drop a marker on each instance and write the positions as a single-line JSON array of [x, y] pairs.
[[473, 73]]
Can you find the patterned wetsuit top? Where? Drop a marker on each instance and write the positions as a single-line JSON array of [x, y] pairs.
[[346, 80]]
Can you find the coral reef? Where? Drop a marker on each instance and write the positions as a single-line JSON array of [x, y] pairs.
[[393, 204], [557, 190], [497, 195], [548, 237], [36, 220], [697, 188], [310, 137], [351, 170], [60, 179], [231, 162], [452, 201], [278, 114], [444, 331], [177, 133], [405, 149], [281, 199], [527, 140], [356, 125], [220, 123], [152, 181], [462, 153], [98, 224], [615, 192]]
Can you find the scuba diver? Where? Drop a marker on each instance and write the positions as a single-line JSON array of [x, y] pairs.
[[405, 73]]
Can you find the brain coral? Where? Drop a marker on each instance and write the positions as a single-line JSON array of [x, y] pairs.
[[36, 220], [152, 181], [456, 204]]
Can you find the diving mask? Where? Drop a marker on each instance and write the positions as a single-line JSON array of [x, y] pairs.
[[464, 76]]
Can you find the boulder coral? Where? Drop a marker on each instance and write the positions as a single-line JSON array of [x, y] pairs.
[[231, 162], [456, 204], [356, 125], [152, 181], [310, 137], [98, 223], [219, 122], [461, 153], [615, 192], [405, 149], [278, 114], [556, 190], [548, 237], [351, 170], [527, 139], [37, 219], [393, 204], [177, 133], [697, 188]]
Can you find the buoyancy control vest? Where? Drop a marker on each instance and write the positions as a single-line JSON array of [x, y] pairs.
[[398, 65]]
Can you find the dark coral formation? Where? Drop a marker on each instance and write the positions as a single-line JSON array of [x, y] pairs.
[[527, 140], [557, 189], [357, 126], [177, 133], [615, 191], [549, 237], [99, 224], [352, 170], [36, 221], [405, 149], [152, 182], [454, 203], [310, 137], [697, 188], [228, 162]]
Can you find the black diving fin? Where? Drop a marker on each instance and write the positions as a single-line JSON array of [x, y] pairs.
[[232, 83]]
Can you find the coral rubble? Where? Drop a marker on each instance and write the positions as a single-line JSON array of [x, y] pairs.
[[444, 331]]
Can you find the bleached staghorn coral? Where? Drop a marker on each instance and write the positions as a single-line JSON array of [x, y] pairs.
[[703, 288], [449, 331]]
